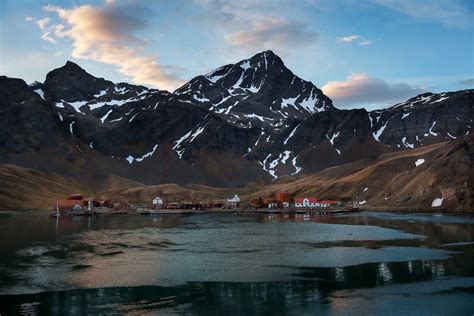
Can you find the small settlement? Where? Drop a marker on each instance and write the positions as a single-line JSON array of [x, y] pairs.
[[78, 204], [284, 200]]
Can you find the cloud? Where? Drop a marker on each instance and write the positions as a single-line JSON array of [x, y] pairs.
[[467, 82], [272, 33], [456, 13], [250, 26], [348, 39], [355, 38], [361, 90], [106, 34], [44, 26]]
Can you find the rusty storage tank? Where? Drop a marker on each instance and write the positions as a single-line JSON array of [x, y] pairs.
[[282, 197]]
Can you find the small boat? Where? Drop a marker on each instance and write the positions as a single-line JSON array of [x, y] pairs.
[[56, 214]]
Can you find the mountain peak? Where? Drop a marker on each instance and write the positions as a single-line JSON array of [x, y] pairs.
[[260, 87], [266, 59], [72, 83], [265, 54], [71, 66]]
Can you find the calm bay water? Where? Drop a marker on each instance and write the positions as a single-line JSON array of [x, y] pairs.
[[359, 264]]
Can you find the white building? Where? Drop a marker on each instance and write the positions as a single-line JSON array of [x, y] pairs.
[[235, 199], [306, 202], [157, 201]]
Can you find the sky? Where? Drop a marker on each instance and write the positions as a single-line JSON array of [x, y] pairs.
[[367, 53]]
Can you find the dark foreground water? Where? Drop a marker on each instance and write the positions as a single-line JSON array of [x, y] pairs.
[[358, 264]]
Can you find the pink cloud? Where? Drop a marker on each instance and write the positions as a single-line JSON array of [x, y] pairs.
[[361, 89], [106, 34]]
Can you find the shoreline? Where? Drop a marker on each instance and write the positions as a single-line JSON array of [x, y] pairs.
[[315, 211]]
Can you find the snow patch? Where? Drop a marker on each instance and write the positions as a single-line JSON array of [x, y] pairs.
[[440, 99], [437, 202], [291, 134], [405, 115], [101, 93], [419, 162], [431, 129], [130, 158], [70, 126], [289, 101], [406, 144], [253, 115], [310, 103], [97, 105], [103, 118], [271, 172], [334, 136], [200, 99], [130, 120], [40, 93], [286, 155], [245, 65], [197, 133], [379, 131], [77, 105], [297, 169], [178, 144]]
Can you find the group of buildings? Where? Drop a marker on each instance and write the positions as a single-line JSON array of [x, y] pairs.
[[231, 202], [78, 203], [283, 200]]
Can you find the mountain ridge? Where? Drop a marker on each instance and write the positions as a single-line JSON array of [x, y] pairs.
[[251, 124]]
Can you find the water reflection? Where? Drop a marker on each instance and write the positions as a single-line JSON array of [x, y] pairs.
[[213, 264]]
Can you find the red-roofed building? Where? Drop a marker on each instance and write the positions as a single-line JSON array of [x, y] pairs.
[[306, 202]]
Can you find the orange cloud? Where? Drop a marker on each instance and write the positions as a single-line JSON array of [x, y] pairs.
[[361, 89], [106, 35]]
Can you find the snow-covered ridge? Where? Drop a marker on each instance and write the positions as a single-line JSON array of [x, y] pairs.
[[228, 90], [423, 99]]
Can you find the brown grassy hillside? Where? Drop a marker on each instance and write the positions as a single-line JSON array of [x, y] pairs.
[[22, 188], [392, 180]]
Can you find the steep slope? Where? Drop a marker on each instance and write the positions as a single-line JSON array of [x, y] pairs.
[[260, 88], [425, 119], [249, 121], [23, 188], [410, 179]]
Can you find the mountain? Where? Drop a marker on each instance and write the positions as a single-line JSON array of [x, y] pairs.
[[407, 180], [260, 88], [253, 121]]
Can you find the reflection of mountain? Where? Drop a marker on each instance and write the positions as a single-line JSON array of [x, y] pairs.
[[323, 290]]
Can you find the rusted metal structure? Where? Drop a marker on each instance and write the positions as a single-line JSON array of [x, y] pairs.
[[282, 197]]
